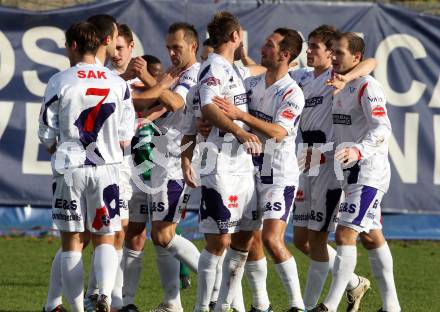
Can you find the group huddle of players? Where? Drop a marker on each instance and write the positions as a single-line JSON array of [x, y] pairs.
[[131, 143]]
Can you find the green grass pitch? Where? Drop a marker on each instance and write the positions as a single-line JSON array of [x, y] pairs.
[[25, 266]]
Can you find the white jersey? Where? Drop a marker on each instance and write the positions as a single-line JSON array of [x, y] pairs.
[[281, 104], [224, 153], [166, 153], [86, 110], [316, 119], [360, 117]]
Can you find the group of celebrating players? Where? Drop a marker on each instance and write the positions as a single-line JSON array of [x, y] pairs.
[[221, 138]]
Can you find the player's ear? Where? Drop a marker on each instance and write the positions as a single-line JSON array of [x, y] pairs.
[[131, 45], [74, 45], [235, 36], [358, 57], [107, 40]]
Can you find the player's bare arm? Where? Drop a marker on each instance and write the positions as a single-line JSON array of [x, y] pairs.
[[364, 68], [189, 142], [268, 129]]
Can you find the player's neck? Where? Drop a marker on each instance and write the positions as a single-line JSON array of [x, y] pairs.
[[101, 54], [86, 58], [319, 70], [275, 74], [226, 51], [191, 62]]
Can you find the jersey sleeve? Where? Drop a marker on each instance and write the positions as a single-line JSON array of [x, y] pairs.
[[211, 82], [289, 110], [48, 130], [189, 117], [127, 124], [372, 99], [184, 84]]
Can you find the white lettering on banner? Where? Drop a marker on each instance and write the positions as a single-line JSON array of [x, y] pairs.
[[383, 52], [7, 61], [39, 56], [31, 164], [5, 114], [406, 161], [138, 49], [436, 121], [435, 98]]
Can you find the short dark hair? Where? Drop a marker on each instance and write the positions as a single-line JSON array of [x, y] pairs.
[[104, 24], [292, 42], [220, 28], [208, 43], [189, 32], [125, 31], [86, 37], [325, 33], [355, 43], [151, 59]]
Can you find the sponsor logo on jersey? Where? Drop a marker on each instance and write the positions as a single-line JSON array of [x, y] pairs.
[[211, 81], [276, 206], [341, 119], [66, 218], [260, 115], [375, 99], [240, 99], [314, 101], [233, 201], [65, 204], [316, 216], [301, 217], [91, 74], [288, 114], [378, 111], [345, 207]]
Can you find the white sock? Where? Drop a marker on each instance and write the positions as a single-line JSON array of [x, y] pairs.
[[119, 281], [256, 273], [92, 285], [169, 268], [105, 264], [238, 301], [132, 267], [185, 251], [233, 269], [72, 279], [344, 266], [315, 282], [381, 262], [288, 274], [218, 278], [55, 292], [354, 279], [206, 278]]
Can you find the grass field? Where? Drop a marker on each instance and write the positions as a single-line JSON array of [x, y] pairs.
[[25, 266]]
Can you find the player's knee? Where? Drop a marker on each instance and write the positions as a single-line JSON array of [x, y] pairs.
[[345, 236], [301, 243], [161, 238], [271, 242], [119, 239], [218, 245], [372, 241]]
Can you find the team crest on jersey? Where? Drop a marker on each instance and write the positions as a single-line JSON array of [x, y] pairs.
[[299, 195], [351, 89], [211, 81], [253, 82], [233, 201]]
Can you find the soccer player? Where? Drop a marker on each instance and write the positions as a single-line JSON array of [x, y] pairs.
[[361, 131], [228, 196], [275, 105], [319, 193], [80, 122], [166, 175], [107, 36]]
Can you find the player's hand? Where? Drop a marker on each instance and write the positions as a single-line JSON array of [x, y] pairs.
[[338, 82], [203, 127], [168, 79], [189, 176], [250, 141], [348, 156], [229, 109]]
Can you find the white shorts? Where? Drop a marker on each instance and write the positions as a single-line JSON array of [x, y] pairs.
[[360, 210], [125, 187], [164, 203], [317, 201], [88, 200], [275, 201], [229, 204]]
